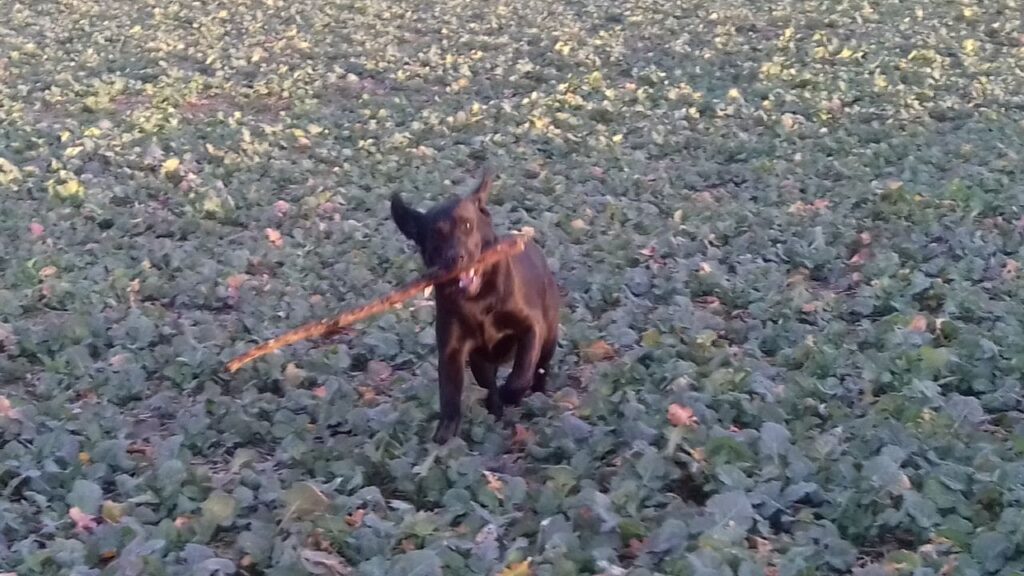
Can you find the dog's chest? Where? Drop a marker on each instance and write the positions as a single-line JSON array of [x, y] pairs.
[[493, 332]]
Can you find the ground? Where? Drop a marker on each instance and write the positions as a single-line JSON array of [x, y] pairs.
[[789, 236]]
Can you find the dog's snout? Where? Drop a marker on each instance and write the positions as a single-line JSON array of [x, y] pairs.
[[452, 259], [457, 258]]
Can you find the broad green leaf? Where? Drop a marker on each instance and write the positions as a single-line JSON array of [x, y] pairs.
[[86, 496], [303, 500], [219, 508], [416, 563], [774, 439], [922, 510], [733, 515], [934, 360], [991, 550]]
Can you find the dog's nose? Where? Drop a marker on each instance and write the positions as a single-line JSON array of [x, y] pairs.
[[454, 260]]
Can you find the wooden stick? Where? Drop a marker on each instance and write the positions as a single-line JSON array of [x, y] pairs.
[[503, 249]]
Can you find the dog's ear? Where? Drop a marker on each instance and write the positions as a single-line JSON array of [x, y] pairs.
[[409, 220], [483, 191]]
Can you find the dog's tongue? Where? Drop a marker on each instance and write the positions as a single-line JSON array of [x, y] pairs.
[[468, 280]]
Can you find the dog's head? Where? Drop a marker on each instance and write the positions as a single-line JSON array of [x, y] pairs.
[[451, 233]]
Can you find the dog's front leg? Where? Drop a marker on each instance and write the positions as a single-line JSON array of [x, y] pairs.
[[521, 378], [451, 371]]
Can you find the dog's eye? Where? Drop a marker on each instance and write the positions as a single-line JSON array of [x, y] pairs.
[[466, 225]]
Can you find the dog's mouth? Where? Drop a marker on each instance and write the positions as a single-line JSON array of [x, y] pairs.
[[469, 282]]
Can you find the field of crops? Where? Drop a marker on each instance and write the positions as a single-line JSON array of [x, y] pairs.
[[789, 233]]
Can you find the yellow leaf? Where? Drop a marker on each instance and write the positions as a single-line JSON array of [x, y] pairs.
[[70, 189], [881, 82], [293, 375], [212, 205], [112, 512], [518, 569], [8, 171], [170, 165]]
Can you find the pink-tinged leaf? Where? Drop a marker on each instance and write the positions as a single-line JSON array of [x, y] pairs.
[[281, 208], [84, 523], [274, 237]]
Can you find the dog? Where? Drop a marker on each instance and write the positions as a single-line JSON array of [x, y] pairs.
[[509, 311]]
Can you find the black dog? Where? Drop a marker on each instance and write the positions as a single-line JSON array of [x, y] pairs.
[[485, 316]]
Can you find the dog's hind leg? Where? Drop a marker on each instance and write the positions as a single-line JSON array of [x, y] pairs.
[[540, 375], [486, 375], [519, 381]]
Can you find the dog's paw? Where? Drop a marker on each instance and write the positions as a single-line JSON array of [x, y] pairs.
[[446, 430], [494, 404], [540, 382], [511, 396]]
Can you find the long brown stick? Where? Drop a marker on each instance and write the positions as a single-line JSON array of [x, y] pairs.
[[503, 249]]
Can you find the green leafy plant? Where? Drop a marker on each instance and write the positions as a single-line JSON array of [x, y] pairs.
[[789, 234]]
